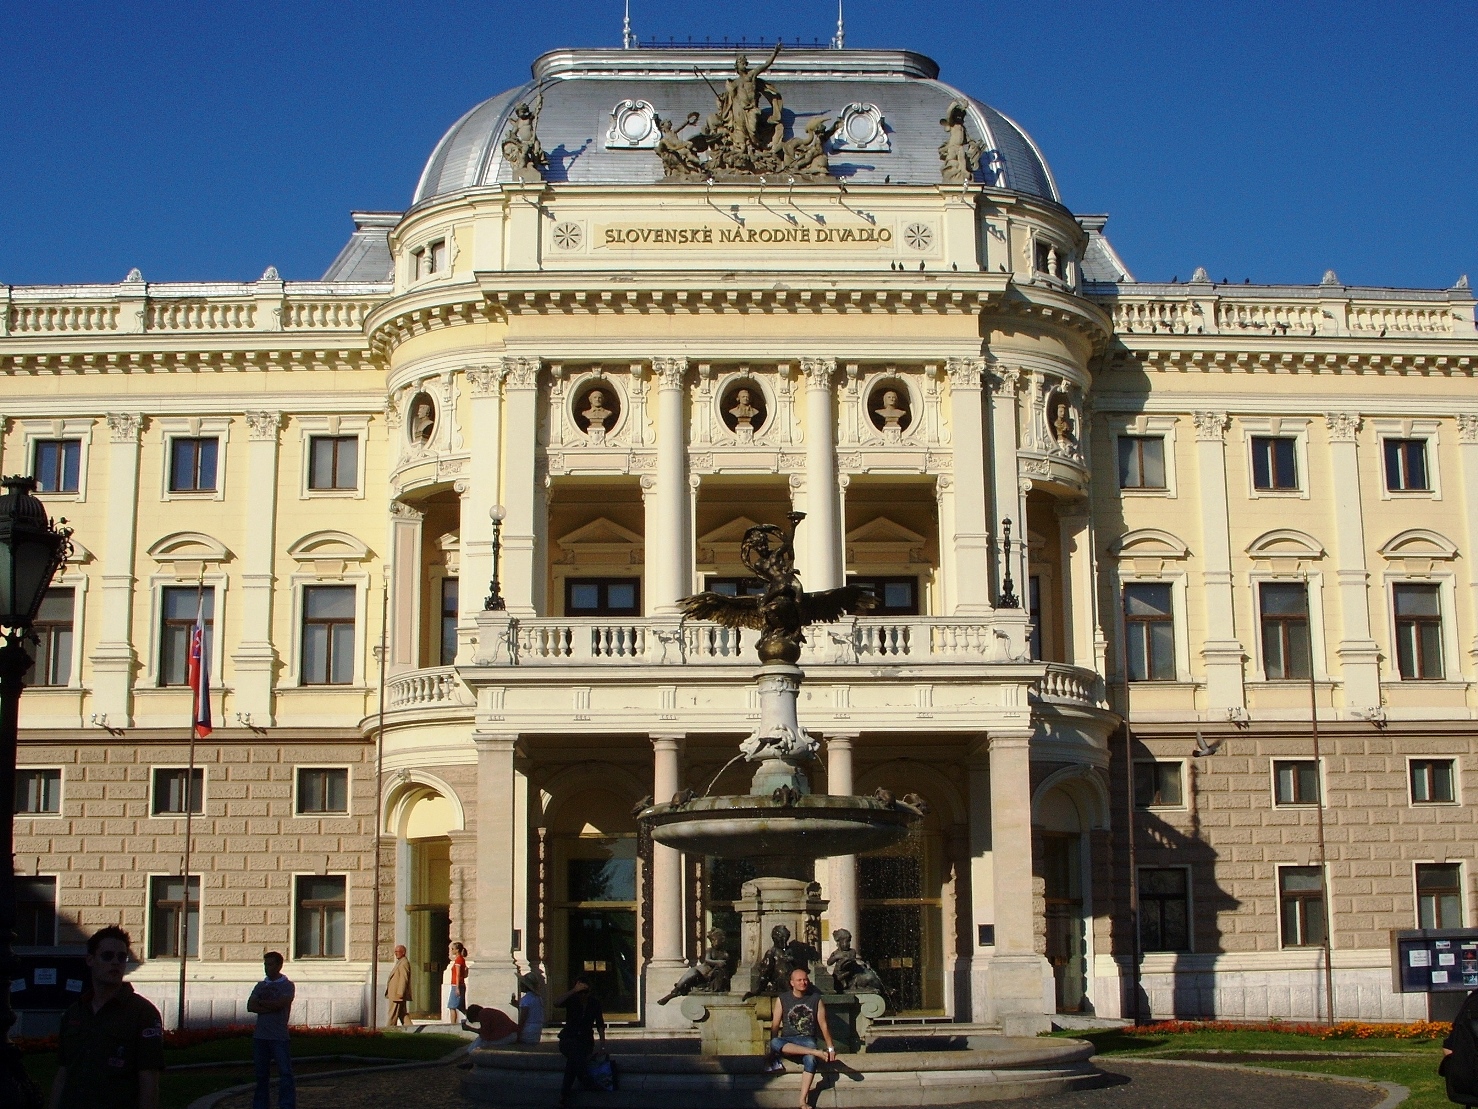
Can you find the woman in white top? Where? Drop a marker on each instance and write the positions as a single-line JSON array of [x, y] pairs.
[[530, 1009]]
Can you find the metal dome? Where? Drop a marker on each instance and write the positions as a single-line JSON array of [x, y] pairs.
[[898, 92]]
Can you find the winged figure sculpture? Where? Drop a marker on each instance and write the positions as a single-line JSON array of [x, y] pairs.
[[784, 609]]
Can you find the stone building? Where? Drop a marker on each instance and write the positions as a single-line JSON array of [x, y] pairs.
[[629, 339]]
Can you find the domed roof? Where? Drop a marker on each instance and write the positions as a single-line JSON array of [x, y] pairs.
[[594, 119]]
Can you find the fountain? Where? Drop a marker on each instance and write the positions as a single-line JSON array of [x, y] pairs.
[[781, 828]]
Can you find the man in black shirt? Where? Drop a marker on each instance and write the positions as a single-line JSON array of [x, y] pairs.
[[583, 1019], [798, 1018], [112, 1040]]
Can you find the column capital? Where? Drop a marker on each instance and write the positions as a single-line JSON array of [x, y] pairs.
[[840, 739], [1006, 379], [1467, 427], [521, 372], [818, 372], [399, 510], [494, 743], [263, 426], [485, 380], [1211, 427], [1009, 738], [669, 372], [668, 740], [124, 426], [1342, 426], [965, 373]]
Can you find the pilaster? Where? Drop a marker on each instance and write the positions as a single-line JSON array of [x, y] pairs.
[[841, 885], [406, 526], [496, 973], [483, 482], [1222, 653], [255, 660], [1080, 619], [969, 547], [1467, 436], [982, 882], [1359, 656], [668, 903], [114, 659]]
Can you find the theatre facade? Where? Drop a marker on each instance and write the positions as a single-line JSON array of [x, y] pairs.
[[642, 302]]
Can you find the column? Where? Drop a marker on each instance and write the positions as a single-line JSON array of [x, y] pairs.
[[495, 974], [1020, 980], [1359, 657], [949, 583], [982, 883], [1222, 651], [255, 659], [825, 556], [841, 885], [114, 659], [520, 498], [968, 543], [668, 904], [404, 572], [1081, 609], [1467, 436], [669, 556], [484, 475]]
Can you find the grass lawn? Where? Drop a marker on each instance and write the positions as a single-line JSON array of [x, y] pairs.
[[181, 1087], [1410, 1063]]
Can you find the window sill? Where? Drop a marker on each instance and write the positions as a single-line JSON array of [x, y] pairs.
[[1311, 806], [1288, 494], [310, 494], [1145, 491]]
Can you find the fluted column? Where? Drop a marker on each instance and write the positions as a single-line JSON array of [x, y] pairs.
[[1223, 653], [255, 659], [519, 575], [1019, 977], [483, 480], [968, 544], [669, 555], [114, 658], [1359, 657], [667, 962], [823, 543], [841, 888]]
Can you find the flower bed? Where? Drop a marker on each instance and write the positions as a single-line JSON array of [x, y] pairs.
[[1342, 1030]]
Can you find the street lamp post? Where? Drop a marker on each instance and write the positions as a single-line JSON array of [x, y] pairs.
[[32, 549], [494, 602]]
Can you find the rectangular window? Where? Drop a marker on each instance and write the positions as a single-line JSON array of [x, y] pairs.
[[177, 608], [169, 791], [1301, 905], [333, 462], [192, 465], [1141, 462], [1164, 909], [1150, 623], [899, 595], [449, 593], [1439, 895], [323, 791], [1034, 611], [602, 596], [35, 911], [1273, 466], [1158, 784], [328, 635], [1285, 630], [320, 902], [1433, 781], [1406, 465], [52, 651], [735, 587], [166, 903], [1418, 632], [1296, 782], [38, 792], [57, 465]]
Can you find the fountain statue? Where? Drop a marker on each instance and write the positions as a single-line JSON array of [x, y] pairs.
[[779, 826]]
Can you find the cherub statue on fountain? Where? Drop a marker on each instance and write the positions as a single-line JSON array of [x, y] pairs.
[[848, 971], [712, 973], [772, 973]]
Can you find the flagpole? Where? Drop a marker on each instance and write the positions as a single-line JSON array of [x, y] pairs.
[[189, 789]]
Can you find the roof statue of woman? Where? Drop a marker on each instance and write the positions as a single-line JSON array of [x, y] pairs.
[[959, 153], [521, 147], [741, 102]]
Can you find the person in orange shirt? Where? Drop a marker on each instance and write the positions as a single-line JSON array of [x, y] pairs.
[[456, 997]]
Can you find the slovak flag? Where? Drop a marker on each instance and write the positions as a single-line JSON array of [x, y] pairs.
[[199, 675]]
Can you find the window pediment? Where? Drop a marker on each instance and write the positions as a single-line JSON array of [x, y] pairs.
[[602, 541], [188, 554], [326, 554]]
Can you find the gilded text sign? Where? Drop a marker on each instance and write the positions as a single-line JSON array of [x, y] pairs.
[[727, 236]]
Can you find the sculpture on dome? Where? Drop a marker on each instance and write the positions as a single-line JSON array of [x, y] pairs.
[[744, 136], [959, 153], [784, 608], [521, 147]]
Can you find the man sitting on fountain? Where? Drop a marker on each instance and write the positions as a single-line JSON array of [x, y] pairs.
[[711, 975], [798, 1016], [850, 973]]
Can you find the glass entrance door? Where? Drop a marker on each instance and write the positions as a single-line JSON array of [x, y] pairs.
[[1067, 946], [595, 917], [901, 923], [430, 922]]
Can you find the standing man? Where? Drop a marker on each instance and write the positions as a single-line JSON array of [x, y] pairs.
[[112, 1040], [398, 989], [272, 1000]]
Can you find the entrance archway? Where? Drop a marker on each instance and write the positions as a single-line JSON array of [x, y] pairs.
[[422, 819], [1064, 869]]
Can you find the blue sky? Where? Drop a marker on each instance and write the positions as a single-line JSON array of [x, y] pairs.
[[206, 141]]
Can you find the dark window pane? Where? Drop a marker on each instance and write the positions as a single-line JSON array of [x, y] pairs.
[[448, 621], [38, 791], [35, 911], [320, 912], [179, 606], [899, 595], [584, 597], [56, 465], [1296, 782], [323, 791], [602, 880], [1417, 600], [1273, 463], [603, 596], [169, 792], [328, 635], [1147, 599], [166, 903], [621, 596], [329, 602]]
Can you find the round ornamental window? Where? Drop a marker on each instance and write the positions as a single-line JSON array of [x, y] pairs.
[[890, 407], [634, 126], [919, 236], [862, 128], [420, 424], [743, 407], [597, 407], [567, 236]]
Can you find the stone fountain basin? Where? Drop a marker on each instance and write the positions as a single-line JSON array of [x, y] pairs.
[[812, 827]]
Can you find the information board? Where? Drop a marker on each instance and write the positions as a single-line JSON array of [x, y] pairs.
[[1434, 960]]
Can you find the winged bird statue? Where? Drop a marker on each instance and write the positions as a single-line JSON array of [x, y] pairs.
[[784, 608]]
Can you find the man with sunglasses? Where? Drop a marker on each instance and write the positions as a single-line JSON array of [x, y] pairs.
[[112, 1040]]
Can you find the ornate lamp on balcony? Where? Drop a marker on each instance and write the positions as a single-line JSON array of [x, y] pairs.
[[32, 549], [494, 602]]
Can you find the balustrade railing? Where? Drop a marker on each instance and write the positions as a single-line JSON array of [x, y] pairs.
[[1308, 311], [438, 686], [1068, 683]]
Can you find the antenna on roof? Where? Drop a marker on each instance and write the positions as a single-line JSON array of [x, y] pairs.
[[628, 40], [839, 41]]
